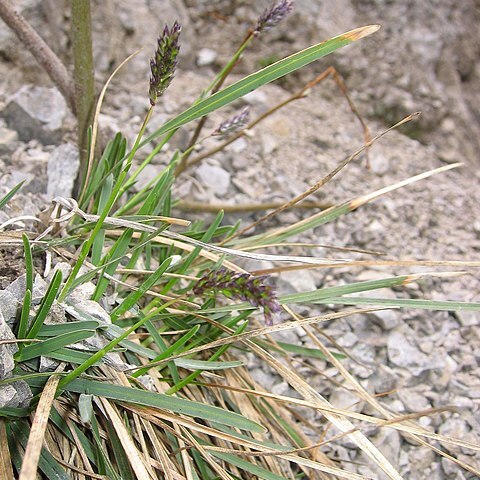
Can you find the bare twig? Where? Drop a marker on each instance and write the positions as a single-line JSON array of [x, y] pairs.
[[302, 93], [243, 207], [322, 181], [215, 87], [343, 88], [54, 67]]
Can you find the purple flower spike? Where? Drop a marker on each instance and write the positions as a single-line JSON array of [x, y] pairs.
[[242, 286], [164, 63], [273, 15], [233, 124]]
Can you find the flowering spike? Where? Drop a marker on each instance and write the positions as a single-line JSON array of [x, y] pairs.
[[164, 63], [241, 286], [234, 123], [273, 15]]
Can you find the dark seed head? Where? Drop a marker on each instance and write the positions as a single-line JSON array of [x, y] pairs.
[[164, 63], [242, 286], [273, 15], [233, 124]]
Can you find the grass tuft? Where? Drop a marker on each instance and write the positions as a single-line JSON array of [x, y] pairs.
[[137, 368]]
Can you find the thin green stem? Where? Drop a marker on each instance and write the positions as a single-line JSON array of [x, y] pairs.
[[190, 378], [213, 88], [150, 157], [109, 204], [302, 93], [182, 165], [221, 77]]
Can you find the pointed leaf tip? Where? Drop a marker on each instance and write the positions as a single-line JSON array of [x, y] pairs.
[[358, 33]]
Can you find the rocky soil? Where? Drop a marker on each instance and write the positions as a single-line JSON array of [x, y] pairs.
[[425, 58]]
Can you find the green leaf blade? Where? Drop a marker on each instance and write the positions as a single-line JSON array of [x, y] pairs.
[[4, 200], [157, 400], [262, 77], [422, 303], [52, 344], [191, 364]]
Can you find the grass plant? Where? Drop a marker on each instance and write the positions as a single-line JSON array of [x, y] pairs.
[[149, 378]]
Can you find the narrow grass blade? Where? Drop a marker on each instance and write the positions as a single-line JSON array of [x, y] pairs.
[[98, 355], [28, 262], [166, 402], [24, 316], [134, 296], [336, 211], [5, 199], [449, 306], [168, 170], [191, 364], [111, 158], [190, 378], [159, 193], [247, 439], [304, 351], [355, 287], [46, 304], [252, 468], [102, 459], [114, 331], [75, 357], [39, 377], [262, 77], [10, 412], [111, 261], [210, 334], [221, 231], [196, 251], [205, 238], [175, 348], [48, 346], [98, 243], [202, 466], [151, 218], [142, 246], [85, 249], [269, 411], [69, 327], [164, 348]]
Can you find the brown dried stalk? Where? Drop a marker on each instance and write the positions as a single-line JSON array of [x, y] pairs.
[[302, 93], [187, 206], [54, 67]]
